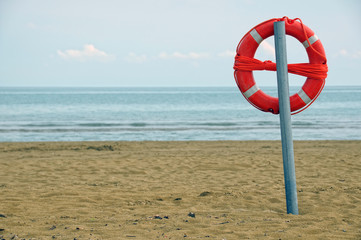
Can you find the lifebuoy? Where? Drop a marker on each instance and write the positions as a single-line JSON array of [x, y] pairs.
[[246, 49]]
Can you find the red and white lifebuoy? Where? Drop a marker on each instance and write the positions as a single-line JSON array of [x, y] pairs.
[[247, 47]]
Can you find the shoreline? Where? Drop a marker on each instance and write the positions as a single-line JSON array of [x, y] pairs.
[[147, 190], [140, 141]]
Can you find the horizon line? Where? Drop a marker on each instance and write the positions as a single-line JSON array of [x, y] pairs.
[[160, 86]]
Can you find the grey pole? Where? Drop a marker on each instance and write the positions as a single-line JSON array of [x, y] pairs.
[[285, 118]]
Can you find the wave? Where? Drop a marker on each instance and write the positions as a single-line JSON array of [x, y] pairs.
[[170, 126]]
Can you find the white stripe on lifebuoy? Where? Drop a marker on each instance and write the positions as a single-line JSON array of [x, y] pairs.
[[305, 98], [251, 91], [312, 40], [256, 36]]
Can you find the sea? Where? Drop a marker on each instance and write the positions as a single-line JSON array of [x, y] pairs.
[[168, 114]]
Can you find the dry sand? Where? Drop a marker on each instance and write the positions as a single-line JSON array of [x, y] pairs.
[[146, 190]]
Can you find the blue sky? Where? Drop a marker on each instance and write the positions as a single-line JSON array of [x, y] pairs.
[[163, 42]]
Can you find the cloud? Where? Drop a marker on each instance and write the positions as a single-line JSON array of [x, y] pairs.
[[268, 48], [357, 54], [227, 53], [31, 25], [89, 52], [179, 55], [135, 58], [344, 53]]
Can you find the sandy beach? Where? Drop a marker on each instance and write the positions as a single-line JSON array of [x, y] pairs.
[[177, 190]]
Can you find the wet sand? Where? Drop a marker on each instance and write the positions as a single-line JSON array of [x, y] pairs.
[[177, 190]]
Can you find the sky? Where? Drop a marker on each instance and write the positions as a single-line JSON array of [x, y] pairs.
[[170, 43]]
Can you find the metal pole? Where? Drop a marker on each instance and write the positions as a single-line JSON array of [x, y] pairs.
[[285, 118]]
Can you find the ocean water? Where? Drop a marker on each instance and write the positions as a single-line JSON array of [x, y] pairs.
[[138, 114]]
